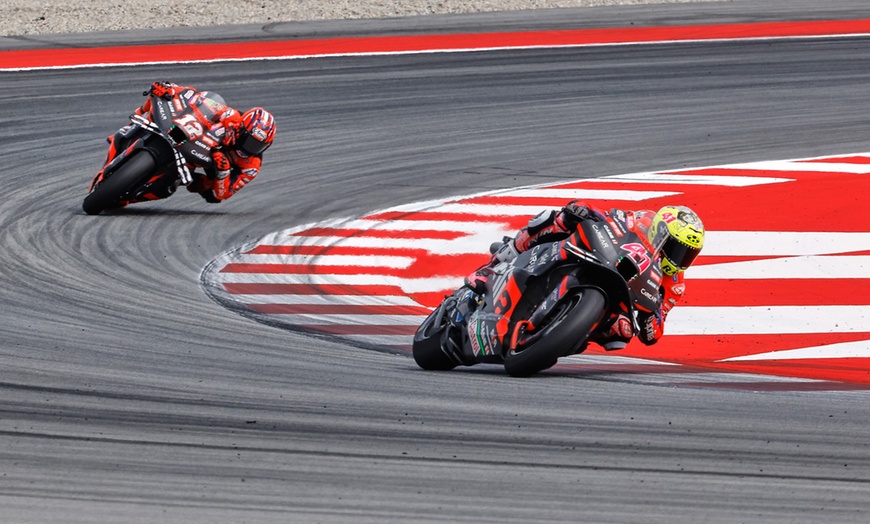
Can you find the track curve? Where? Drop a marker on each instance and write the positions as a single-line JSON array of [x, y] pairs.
[[130, 396]]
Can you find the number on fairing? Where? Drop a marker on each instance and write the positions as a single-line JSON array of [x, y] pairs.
[[639, 254], [191, 126]]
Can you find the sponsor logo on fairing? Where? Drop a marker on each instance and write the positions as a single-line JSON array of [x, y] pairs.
[[609, 231], [161, 112], [647, 294], [199, 155], [601, 238], [472, 336]]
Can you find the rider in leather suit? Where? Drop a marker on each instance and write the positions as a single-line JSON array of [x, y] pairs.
[[674, 233], [244, 138]]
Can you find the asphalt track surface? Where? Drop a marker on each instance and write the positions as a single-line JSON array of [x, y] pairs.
[[129, 396]]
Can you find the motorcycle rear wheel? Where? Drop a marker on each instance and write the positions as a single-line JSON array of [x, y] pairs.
[[565, 332], [109, 193], [427, 350]]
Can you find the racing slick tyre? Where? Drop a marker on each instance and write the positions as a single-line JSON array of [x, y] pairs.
[[565, 330], [110, 192], [427, 349]]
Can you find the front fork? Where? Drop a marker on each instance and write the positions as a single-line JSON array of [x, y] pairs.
[[115, 141], [526, 331]]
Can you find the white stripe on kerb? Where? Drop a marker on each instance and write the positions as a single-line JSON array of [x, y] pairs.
[[767, 320]]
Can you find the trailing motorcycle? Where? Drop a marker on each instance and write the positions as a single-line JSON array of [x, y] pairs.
[[549, 302], [156, 155]]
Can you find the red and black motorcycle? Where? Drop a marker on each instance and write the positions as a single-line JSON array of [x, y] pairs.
[[154, 156], [549, 302]]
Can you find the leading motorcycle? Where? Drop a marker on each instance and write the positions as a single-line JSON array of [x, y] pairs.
[[157, 153], [549, 302]]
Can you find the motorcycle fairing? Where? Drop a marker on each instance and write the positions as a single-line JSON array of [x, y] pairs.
[[116, 162], [489, 326], [186, 125]]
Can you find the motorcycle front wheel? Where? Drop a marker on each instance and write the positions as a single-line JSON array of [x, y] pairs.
[[109, 193], [565, 331], [428, 353]]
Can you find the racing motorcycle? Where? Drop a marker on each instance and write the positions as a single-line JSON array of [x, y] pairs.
[[156, 155], [549, 302]]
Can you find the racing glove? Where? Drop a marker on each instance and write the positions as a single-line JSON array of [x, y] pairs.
[[576, 211], [222, 165], [165, 90]]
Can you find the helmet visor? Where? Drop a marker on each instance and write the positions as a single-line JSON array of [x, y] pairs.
[[250, 146], [679, 254]]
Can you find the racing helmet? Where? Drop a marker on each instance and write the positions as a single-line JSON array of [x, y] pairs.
[[256, 132], [676, 234]]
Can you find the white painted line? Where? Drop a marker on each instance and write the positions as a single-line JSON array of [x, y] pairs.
[[794, 166], [792, 268], [767, 320], [859, 349], [783, 243]]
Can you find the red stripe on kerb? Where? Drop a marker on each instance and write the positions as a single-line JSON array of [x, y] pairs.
[[379, 233], [841, 160], [542, 202], [308, 269], [777, 386], [360, 329], [438, 216], [34, 58], [312, 289], [266, 249], [336, 309], [776, 292]]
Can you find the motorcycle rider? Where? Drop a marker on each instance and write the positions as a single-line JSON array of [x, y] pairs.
[[674, 234], [237, 160]]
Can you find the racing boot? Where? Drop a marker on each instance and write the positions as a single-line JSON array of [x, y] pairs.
[[617, 335]]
